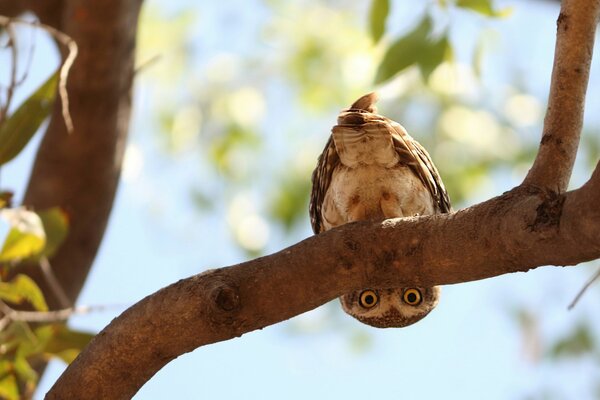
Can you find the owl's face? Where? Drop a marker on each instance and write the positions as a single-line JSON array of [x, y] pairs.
[[390, 308]]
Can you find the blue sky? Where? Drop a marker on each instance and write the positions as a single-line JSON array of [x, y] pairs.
[[469, 346]]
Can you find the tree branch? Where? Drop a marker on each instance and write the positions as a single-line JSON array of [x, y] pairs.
[[576, 28], [80, 171], [514, 232]]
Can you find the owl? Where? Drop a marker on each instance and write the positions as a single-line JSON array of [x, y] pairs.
[[372, 169]]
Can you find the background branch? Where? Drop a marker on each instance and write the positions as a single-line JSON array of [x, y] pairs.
[[80, 171]]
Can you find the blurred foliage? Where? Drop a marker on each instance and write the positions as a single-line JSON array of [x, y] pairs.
[[377, 18], [484, 7], [580, 341], [415, 48], [31, 235]]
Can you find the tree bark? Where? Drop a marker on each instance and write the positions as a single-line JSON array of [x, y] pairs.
[[534, 224]]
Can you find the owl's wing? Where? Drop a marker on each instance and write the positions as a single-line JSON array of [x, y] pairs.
[[416, 157], [321, 178]]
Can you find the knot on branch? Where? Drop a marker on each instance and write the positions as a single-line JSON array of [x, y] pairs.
[[548, 213], [225, 297]]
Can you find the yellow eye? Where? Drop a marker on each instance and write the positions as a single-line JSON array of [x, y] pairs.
[[368, 299], [412, 297]]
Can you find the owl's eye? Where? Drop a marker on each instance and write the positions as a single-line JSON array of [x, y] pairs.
[[412, 297], [368, 299]]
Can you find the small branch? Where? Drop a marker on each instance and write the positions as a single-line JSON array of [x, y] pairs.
[[147, 63], [71, 46], [11, 314], [584, 289], [576, 27], [54, 284]]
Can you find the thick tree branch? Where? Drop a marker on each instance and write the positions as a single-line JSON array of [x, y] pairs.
[[80, 171], [517, 231], [576, 28]]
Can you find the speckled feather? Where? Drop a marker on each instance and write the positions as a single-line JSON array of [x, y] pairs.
[[371, 168]]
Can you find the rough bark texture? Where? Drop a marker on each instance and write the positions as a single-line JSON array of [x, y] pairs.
[[534, 224], [80, 171]]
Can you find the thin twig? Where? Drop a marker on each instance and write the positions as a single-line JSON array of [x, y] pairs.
[[12, 44], [54, 284], [72, 48], [584, 289], [11, 314], [29, 59], [148, 63]]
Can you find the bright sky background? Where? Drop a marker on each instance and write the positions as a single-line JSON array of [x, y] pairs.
[[470, 347]]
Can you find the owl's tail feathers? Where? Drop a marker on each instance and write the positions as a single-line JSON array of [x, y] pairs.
[[367, 103]]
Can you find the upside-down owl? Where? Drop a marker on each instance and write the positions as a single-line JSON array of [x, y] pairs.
[[371, 169]]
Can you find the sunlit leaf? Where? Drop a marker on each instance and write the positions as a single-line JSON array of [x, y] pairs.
[[484, 7], [26, 236], [19, 128], [579, 342], [62, 342], [23, 288], [377, 17], [9, 390], [56, 226]]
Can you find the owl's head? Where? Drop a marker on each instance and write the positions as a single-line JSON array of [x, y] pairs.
[[391, 308]]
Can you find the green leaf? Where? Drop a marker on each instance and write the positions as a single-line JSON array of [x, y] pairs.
[[377, 17], [484, 7], [404, 52], [9, 389], [433, 55], [56, 226], [19, 128], [415, 48], [26, 237], [23, 288], [62, 342]]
